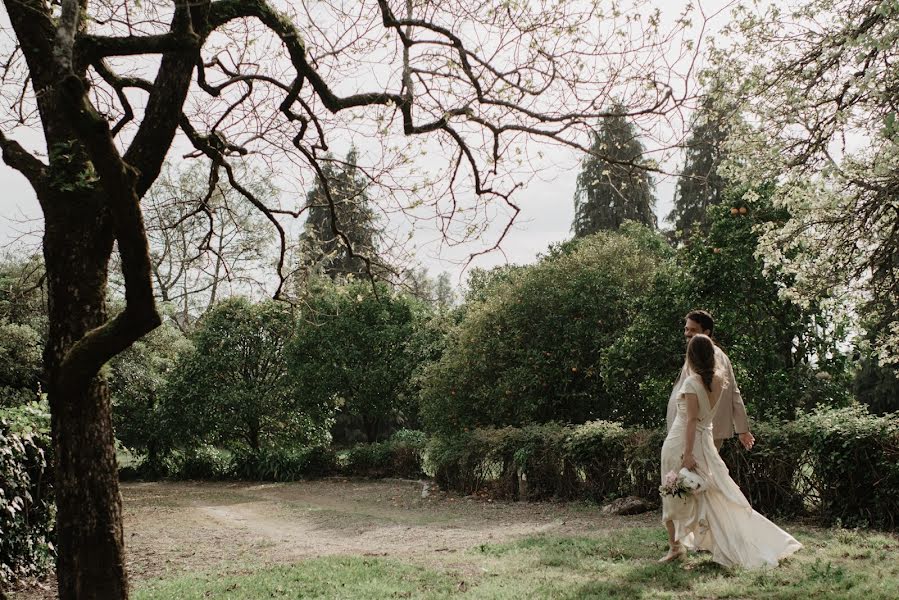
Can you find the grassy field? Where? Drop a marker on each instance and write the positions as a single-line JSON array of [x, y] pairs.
[[835, 564]]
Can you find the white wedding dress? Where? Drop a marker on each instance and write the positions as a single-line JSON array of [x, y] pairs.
[[719, 520]]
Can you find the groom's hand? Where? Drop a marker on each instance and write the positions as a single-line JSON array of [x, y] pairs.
[[748, 440]]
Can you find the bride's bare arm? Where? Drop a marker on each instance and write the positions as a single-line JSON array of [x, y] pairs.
[[690, 435]]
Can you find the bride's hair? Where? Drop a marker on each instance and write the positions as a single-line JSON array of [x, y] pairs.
[[701, 358]]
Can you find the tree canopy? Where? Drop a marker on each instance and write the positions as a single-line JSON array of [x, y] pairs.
[[614, 185], [818, 89]]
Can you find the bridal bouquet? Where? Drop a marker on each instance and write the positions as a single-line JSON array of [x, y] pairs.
[[682, 483]]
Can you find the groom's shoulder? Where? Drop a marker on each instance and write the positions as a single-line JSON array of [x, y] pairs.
[[719, 353]]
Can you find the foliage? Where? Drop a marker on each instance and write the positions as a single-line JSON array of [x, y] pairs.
[[401, 456], [30, 418], [819, 93], [838, 464], [776, 476], [285, 464], [202, 462], [234, 388], [136, 381], [23, 298], [613, 185], [27, 511], [23, 328], [855, 459], [876, 385], [322, 249], [700, 185], [640, 366], [351, 354], [530, 350], [785, 356]]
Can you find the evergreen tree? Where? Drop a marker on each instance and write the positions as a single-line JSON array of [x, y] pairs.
[[322, 250], [613, 186], [700, 185]]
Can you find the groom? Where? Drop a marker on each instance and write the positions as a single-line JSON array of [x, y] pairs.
[[731, 415]]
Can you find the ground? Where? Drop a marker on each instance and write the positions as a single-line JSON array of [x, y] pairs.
[[345, 538], [174, 527]]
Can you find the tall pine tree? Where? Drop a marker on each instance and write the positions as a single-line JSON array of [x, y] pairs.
[[612, 186], [700, 186], [322, 250]]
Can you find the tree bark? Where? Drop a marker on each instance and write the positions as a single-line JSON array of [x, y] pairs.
[[78, 242]]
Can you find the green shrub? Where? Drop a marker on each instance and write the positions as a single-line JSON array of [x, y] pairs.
[[841, 465], [538, 453], [855, 460], [465, 462], [234, 389], [284, 464], [203, 462], [401, 456], [775, 475], [32, 417], [353, 353], [598, 449], [529, 350], [27, 510], [369, 460]]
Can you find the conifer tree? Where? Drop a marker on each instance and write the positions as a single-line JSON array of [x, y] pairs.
[[614, 185]]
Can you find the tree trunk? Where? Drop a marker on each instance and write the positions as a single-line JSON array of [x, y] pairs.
[[78, 241]]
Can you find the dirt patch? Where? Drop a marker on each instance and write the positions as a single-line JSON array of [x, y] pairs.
[[175, 527]]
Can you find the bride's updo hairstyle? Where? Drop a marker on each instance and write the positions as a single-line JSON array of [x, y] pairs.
[[701, 358]]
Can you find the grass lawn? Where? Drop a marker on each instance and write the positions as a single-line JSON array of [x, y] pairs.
[[838, 564]]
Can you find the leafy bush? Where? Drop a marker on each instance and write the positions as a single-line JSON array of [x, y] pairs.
[[27, 510], [284, 464], [20, 356], [855, 460], [352, 354], [529, 350], [775, 475], [598, 448], [538, 453], [30, 418], [465, 462], [234, 388], [401, 456], [841, 465], [202, 462], [137, 378]]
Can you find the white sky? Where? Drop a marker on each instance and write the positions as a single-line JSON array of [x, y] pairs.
[[547, 205]]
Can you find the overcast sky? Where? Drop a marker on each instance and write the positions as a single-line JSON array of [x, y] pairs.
[[547, 206]]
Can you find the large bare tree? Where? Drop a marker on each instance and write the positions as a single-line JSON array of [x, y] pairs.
[[115, 86]]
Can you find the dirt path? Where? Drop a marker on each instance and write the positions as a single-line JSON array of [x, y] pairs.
[[174, 527]]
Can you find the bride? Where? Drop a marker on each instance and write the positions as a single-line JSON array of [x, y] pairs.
[[719, 519]]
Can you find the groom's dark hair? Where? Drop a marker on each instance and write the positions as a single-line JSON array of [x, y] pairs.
[[704, 319]]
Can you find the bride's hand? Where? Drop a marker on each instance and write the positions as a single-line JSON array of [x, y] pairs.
[[689, 462]]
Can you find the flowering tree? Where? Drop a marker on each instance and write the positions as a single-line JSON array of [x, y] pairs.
[[115, 86], [818, 87]]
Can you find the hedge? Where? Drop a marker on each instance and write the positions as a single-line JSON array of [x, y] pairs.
[[401, 456], [27, 510], [839, 465]]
